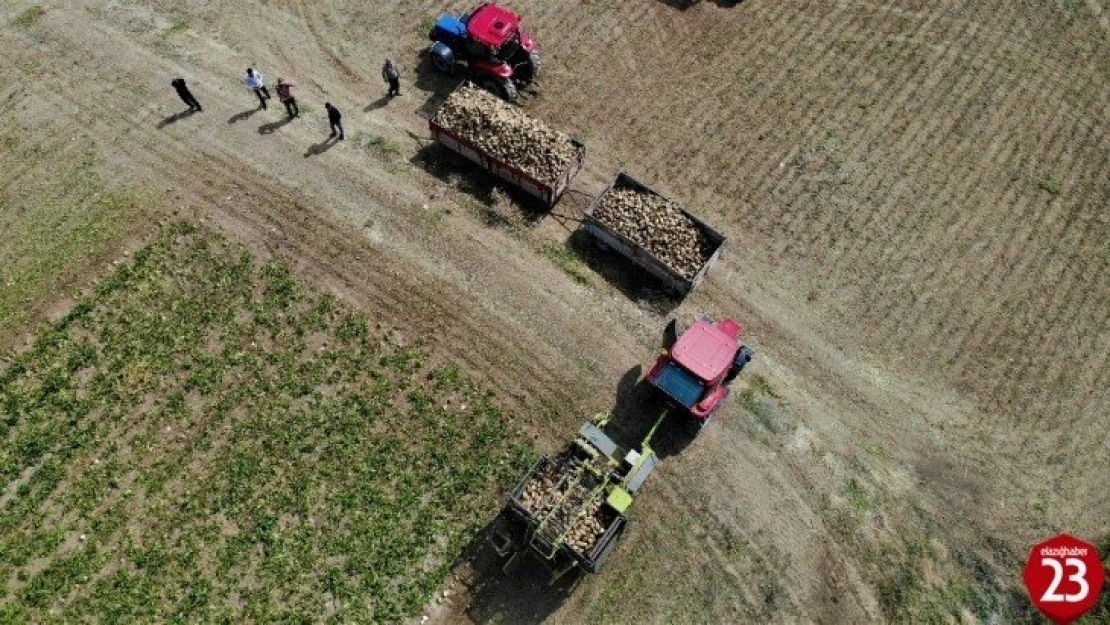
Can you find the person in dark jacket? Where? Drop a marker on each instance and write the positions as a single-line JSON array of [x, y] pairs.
[[186, 95], [285, 94], [392, 75], [335, 119]]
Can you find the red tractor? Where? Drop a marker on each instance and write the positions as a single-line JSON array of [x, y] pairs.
[[501, 56], [699, 367]]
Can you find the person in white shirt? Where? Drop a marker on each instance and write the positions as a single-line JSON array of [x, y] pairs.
[[257, 84]]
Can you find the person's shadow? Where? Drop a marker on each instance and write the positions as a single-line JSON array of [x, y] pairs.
[[377, 104], [176, 117], [266, 129], [321, 147], [238, 117]]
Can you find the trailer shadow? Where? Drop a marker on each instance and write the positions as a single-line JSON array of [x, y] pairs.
[[632, 281], [510, 590], [636, 409], [486, 190]]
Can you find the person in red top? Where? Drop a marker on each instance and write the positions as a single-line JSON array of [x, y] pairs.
[[285, 94]]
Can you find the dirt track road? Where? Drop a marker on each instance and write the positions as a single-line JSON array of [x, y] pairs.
[[872, 165]]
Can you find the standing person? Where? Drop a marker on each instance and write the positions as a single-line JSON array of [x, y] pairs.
[[186, 95], [257, 84], [285, 95], [335, 120], [392, 75]]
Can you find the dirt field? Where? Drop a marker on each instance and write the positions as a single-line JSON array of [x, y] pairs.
[[916, 195]]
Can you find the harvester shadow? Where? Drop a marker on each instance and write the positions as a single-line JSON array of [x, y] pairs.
[[635, 283], [501, 590], [637, 408], [460, 174]]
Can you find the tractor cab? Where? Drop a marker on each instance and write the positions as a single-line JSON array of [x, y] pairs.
[[698, 369], [489, 40], [497, 30]]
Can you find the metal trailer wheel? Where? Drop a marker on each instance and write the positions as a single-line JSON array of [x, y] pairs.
[[601, 557]]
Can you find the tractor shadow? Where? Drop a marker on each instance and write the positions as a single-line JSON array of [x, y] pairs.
[[501, 590], [433, 84], [636, 409], [488, 193], [632, 281]]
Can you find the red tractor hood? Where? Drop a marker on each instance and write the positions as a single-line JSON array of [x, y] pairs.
[[493, 25], [705, 350]]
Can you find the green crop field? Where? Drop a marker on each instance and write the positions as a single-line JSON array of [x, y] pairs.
[[205, 439]]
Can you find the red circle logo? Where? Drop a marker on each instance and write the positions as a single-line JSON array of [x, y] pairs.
[[1064, 577]]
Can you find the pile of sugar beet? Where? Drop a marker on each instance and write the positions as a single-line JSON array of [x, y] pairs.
[[507, 133]]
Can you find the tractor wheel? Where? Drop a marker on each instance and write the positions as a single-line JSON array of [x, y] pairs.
[[443, 58], [508, 90], [502, 88], [534, 60], [526, 73], [670, 334]]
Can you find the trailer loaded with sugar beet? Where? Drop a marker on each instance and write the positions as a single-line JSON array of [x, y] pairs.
[[569, 509], [508, 143], [655, 233]]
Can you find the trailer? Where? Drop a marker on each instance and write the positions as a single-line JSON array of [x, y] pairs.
[[675, 281], [546, 192], [569, 510]]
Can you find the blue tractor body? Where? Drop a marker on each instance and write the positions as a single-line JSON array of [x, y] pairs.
[[450, 29]]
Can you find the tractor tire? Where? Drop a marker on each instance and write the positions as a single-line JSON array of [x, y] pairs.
[[443, 58], [508, 90], [502, 88], [527, 73], [534, 59]]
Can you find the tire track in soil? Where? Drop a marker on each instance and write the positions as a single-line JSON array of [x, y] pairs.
[[1012, 154], [1033, 269], [970, 181], [304, 11], [944, 183], [788, 187], [873, 180]]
